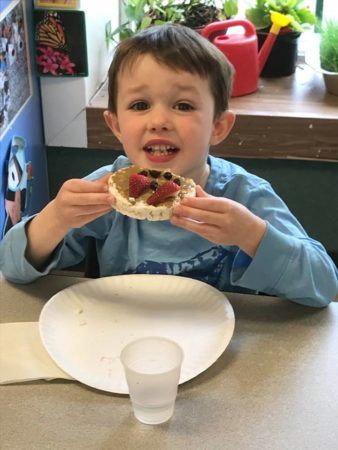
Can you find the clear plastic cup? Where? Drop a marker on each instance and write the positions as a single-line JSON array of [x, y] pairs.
[[152, 367]]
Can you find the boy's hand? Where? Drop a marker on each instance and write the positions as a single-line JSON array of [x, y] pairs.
[[220, 220], [80, 201], [77, 203]]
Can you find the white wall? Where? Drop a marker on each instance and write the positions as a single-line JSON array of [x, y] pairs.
[[64, 99]]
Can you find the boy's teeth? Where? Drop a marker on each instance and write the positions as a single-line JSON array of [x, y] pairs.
[[161, 149]]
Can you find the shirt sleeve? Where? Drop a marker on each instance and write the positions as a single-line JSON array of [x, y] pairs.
[[13, 263], [288, 263], [72, 250]]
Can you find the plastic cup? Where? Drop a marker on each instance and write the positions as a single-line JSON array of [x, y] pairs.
[[152, 367]]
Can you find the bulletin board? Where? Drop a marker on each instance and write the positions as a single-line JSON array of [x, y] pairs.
[[15, 73]]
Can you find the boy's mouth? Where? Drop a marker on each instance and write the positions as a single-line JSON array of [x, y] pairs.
[[160, 149]]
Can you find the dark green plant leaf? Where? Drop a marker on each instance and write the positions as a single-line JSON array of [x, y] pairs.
[[259, 17], [145, 22], [139, 8], [126, 33]]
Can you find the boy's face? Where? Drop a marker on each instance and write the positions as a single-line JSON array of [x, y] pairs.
[[165, 118]]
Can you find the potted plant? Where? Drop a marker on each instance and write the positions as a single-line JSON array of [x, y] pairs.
[[195, 14], [283, 57], [141, 14], [328, 52]]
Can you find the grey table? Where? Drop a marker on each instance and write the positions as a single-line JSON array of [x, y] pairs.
[[275, 387]]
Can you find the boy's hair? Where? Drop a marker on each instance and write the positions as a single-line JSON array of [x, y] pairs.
[[179, 48]]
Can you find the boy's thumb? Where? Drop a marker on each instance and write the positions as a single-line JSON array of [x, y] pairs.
[[200, 192]]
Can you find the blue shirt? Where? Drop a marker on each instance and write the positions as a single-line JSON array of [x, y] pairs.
[[288, 263]]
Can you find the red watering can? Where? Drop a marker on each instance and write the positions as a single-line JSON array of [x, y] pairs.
[[242, 49]]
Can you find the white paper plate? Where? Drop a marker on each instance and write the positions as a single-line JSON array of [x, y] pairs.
[[85, 326]]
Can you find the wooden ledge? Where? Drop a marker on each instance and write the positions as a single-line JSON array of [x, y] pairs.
[[291, 117]]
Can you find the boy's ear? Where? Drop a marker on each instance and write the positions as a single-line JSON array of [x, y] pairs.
[[222, 127], [112, 122]]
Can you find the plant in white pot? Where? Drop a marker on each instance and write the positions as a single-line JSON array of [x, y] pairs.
[[328, 52]]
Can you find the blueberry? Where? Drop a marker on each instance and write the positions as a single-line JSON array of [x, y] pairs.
[[168, 175], [177, 181], [144, 173], [154, 185], [155, 173]]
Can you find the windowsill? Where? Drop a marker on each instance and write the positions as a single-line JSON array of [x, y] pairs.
[[290, 117]]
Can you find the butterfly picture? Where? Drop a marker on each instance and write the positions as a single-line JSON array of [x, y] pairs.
[[60, 43], [50, 32]]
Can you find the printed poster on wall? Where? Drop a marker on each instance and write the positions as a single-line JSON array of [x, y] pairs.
[[15, 74], [60, 43]]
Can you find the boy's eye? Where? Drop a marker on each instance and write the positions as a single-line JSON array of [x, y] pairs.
[[139, 106], [183, 106]]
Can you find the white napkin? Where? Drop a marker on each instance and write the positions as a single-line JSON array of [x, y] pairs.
[[23, 356]]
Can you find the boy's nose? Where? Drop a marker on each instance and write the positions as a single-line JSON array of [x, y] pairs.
[[159, 120]]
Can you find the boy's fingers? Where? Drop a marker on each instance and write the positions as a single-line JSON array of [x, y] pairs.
[[200, 192], [85, 186], [93, 210], [204, 203], [202, 229], [105, 177], [198, 215], [83, 199], [111, 200], [211, 204]]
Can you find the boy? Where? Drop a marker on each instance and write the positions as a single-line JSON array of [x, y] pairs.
[[168, 102]]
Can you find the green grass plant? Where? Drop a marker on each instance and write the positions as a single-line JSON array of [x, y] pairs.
[[329, 46]]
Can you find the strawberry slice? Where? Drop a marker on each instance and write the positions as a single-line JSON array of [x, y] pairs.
[[138, 184], [167, 189]]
